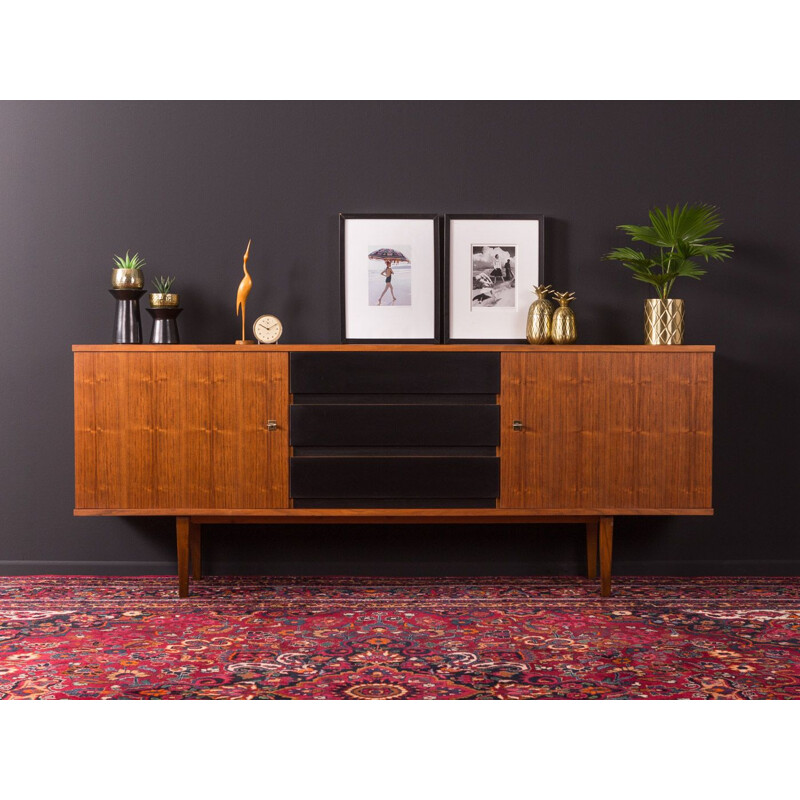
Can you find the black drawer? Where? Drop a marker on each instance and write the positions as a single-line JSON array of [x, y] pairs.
[[394, 373], [395, 425], [397, 477]]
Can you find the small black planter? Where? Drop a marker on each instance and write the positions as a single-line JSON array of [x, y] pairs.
[[127, 320], [165, 325]]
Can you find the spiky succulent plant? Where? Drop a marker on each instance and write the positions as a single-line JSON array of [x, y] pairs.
[[128, 261], [162, 284]]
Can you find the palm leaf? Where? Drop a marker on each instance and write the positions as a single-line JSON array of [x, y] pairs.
[[695, 222], [662, 227], [627, 254], [687, 269], [679, 233], [719, 252], [641, 233]]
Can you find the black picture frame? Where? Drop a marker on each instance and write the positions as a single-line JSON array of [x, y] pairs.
[[437, 266], [447, 219]]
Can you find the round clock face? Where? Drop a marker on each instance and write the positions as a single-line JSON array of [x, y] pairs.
[[267, 329]]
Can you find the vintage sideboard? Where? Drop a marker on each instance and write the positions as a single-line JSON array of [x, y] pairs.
[[392, 434]]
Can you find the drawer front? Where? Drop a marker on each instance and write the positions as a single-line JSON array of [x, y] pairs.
[[395, 478], [395, 373], [394, 429], [395, 426]]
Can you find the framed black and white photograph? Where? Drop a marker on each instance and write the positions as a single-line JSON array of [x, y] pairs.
[[390, 268], [492, 262]]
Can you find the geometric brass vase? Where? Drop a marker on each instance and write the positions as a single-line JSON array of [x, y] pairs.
[[663, 321]]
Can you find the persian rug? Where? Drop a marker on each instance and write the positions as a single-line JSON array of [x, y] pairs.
[[399, 638]]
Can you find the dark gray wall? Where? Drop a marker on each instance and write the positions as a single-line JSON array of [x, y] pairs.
[[186, 184]]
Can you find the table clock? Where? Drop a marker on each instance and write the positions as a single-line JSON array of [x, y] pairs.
[[267, 329]]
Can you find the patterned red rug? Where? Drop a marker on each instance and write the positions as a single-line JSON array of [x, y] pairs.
[[392, 638]]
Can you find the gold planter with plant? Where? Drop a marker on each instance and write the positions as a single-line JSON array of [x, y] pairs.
[[127, 272], [675, 236], [540, 315], [663, 321], [162, 297]]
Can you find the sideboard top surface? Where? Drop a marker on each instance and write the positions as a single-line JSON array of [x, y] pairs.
[[444, 348]]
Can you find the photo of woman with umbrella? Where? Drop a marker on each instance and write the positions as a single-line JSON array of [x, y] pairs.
[[395, 277], [390, 269], [388, 272]]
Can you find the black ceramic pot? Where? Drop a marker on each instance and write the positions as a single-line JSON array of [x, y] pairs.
[[127, 320], [165, 325]]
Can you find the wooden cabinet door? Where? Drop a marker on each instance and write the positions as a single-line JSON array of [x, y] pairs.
[[622, 432], [176, 431]]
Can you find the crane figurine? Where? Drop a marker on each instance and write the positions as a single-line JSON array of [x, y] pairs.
[[245, 286]]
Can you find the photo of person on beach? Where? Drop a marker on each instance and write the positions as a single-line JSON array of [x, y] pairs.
[[389, 276], [494, 270]]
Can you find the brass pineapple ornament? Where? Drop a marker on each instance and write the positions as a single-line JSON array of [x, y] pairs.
[[563, 329], [540, 316]]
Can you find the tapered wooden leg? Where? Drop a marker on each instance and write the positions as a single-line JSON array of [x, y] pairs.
[[591, 548], [606, 538], [182, 528], [194, 550]]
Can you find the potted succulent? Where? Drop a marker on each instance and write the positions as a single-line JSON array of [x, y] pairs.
[[163, 297], [127, 272], [676, 236]]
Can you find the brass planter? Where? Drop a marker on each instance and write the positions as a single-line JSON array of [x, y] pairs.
[[663, 321], [127, 279], [159, 300]]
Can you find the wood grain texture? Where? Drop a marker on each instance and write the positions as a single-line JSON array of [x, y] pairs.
[[85, 432], [388, 348], [614, 431], [248, 461], [608, 431], [171, 430], [376, 514]]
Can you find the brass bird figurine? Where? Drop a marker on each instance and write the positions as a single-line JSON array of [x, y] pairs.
[[244, 290]]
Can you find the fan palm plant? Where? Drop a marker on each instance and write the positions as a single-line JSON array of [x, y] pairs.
[[676, 236]]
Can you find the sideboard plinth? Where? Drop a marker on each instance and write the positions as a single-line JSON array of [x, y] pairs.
[[599, 531]]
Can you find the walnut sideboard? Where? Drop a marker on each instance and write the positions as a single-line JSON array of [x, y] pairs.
[[392, 434]]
